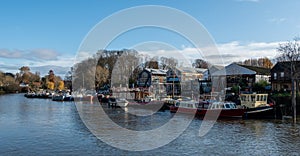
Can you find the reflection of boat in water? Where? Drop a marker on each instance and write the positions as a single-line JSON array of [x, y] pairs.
[[58, 97], [257, 106], [225, 109], [122, 102], [116, 102], [62, 96]]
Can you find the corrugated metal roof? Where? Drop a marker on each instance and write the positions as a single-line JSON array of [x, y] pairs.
[[234, 69], [190, 69]]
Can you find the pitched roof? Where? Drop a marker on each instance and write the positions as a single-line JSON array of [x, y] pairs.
[[201, 70], [258, 70], [234, 69], [186, 69], [191, 70], [156, 71], [284, 66]]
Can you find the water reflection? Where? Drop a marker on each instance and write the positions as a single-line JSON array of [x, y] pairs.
[[39, 126]]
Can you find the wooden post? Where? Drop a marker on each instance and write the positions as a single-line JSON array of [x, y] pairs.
[[294, 100]]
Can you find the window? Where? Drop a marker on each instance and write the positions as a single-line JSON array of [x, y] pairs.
[[275, 76], [253, 98], [282, 74], [265, 98], [227, 106]]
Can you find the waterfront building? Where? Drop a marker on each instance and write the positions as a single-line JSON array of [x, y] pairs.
[[151, 82], [262, 74], [183, 80], [281, 76], [236, 76]]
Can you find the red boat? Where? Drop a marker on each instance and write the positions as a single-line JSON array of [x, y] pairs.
[[222, 109]]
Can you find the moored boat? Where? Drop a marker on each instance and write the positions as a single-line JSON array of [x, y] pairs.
[[224, 109], [257, 106], [58, 97]]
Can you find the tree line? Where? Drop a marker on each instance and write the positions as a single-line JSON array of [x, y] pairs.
[[115, 68], [25, 80]]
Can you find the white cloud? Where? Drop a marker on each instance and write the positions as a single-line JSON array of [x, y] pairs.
[[226, 54], [277, 20], [5, 53], [44, 54], [34, 54], [12, 60]]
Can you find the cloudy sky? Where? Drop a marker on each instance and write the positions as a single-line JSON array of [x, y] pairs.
[[49, 32]]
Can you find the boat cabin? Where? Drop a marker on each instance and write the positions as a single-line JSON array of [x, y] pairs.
[[223, 105], [186, 104], [254, 100]]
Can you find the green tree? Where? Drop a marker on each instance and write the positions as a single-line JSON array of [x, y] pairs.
[[260, 86]]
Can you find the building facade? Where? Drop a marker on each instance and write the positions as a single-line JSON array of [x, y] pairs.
[[281, 76]]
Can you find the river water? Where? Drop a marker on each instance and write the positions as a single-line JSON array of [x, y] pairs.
[[44, 127]]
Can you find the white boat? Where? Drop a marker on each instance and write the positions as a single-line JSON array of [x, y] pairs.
[[122, 102]]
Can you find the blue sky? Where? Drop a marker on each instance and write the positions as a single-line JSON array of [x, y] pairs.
[[49, 32]]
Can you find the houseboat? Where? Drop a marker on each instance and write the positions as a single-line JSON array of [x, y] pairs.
[[225, 109], [257, 106]]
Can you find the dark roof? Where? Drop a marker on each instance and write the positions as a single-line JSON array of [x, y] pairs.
[[258, 70], [9, 74], [285, 66]]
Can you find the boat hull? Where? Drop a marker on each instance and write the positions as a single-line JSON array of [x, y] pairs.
[[260, 113], [224, 113]]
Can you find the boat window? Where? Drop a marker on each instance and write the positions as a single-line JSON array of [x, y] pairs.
[[212, 106], [190, 105], [243, 98], [227, 105], [221, 106], [196, 105], [233, 105], [252, 97], [259, 98], [265, 98]]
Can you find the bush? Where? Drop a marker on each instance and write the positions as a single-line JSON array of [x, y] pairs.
[[282, 94]]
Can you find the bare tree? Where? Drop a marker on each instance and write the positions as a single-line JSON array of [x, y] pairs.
[[199, 63], [290, 51], [168, 62]]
